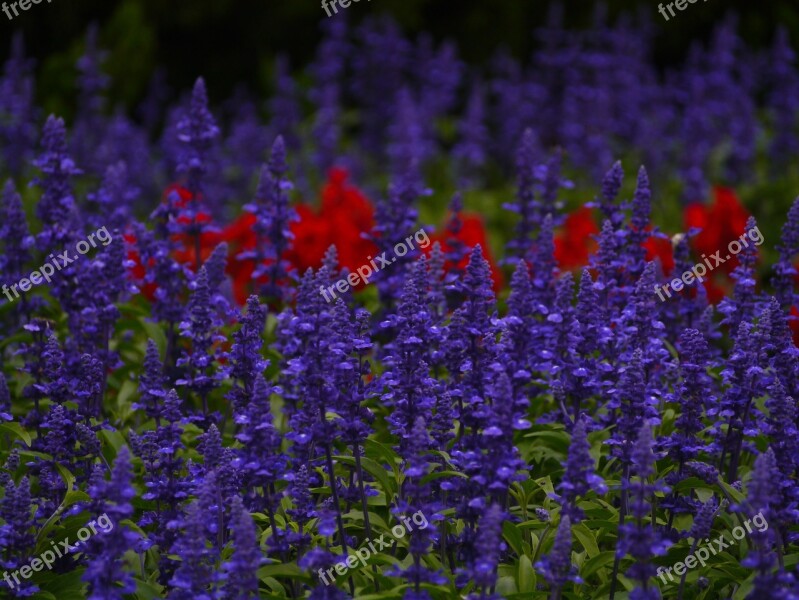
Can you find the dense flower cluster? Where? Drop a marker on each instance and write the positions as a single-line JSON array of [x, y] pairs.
[[563, 436]]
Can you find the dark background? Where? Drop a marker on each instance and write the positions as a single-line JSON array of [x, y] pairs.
[[235, 41]]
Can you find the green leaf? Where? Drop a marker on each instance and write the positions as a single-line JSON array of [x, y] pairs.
[[146, 590], [513, 536], [154, 331], [791, 559], [397, 592], [16, 430], [440, 474], [532, 524], [733, 493], [545, 483], [746, 586], [526, 575], [275, 585], [283, 570], [66, 475], [506, 586], [376, 522], [691, 483], [389, 485], [113, 438], [557, 440], [375, 449], [124, 399], [71, 498], [66, 586], [592, 565], [586, 537], [30, 454]]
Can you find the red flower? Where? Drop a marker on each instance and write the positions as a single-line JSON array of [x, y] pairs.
[[312, 238], [794, 324], [138, 271], [239, 234], [239, 237], [339, 198], [344, 216], [721, 222], [179, 199], [575, 243], [659, 247], [472, 232], [208, 241], [183, 195]]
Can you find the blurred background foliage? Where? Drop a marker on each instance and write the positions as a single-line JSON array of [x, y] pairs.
[[235, 42]]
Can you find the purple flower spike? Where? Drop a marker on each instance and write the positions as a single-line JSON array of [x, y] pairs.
[[557, 566], [580, 476], [56, 207], [111, 500], [242, 568]]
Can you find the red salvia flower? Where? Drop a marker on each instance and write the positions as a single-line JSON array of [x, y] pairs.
[[575, 243], [345, 216], [472, 232], [720, 223], [660, 248]]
